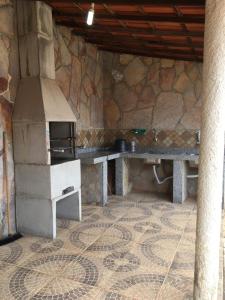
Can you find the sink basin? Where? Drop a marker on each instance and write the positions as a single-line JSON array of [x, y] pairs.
[[153, 161]]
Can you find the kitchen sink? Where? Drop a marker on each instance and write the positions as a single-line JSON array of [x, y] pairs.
[[153, 161]]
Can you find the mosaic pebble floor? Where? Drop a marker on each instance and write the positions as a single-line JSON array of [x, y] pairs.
[[137, 247]]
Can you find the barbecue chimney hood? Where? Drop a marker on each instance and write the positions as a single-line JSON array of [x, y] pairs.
[[39, 99]]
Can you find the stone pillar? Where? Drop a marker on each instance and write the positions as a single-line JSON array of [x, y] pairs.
[[104, 182], [36, 44], [122, 177], [179, 181], [211, 154]]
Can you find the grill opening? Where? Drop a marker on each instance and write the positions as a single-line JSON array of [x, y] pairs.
[[62, 141]]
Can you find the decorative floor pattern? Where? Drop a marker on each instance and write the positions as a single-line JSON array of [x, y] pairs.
[[139, 247]]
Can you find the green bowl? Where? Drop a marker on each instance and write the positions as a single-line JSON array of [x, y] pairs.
[[139, 131]]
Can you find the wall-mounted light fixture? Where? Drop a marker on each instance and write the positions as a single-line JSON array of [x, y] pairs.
[[91, 13]]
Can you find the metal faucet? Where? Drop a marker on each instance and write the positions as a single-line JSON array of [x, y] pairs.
[[198, 137], [155, 135]]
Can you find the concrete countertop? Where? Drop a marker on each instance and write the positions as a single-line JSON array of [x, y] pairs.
[[95, 157], [164, 156], [99, 156]]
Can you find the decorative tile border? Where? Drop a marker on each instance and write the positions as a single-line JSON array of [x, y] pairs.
[[165, 138], [91, 138]]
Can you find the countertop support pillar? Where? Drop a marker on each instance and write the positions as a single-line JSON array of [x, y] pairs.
[[122, 177], [104, 182], [179, 181], [211, 155]]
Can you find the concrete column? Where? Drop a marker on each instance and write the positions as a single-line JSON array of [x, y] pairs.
[[179, 181], [104, 182], [122, 177], [211, 154]]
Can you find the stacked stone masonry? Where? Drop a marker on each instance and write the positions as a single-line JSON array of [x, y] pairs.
[[79, 68], [150, 93]]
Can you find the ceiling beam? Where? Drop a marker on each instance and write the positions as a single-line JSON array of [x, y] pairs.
[[143, 18], [145, 31], [172, 48], [135, 2], [144, 49], [135, 47], [150, 54], [108, 38]]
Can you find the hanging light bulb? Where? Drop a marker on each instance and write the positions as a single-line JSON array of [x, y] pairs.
[[91, 13]]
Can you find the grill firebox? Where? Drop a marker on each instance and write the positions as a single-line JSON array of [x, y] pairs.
[[62, 141]]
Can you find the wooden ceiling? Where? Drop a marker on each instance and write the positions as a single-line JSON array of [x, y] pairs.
[[157, 28]]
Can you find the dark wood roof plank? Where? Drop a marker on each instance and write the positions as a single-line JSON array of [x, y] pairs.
[[163, 28]]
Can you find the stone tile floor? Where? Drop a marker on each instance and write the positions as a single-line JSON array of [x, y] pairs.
[[137, 247]]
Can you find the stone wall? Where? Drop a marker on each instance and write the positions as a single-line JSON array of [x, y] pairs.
[[8, 86], [137, 91], [141, 92], [79, 68], [90, 183], [79, 75], [150, 93]]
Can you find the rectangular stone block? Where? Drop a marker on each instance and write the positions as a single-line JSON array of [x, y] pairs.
[[179, 181], [122, 176], [104, 182]]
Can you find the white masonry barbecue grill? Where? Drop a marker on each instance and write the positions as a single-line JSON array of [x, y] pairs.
[[47, 174]]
